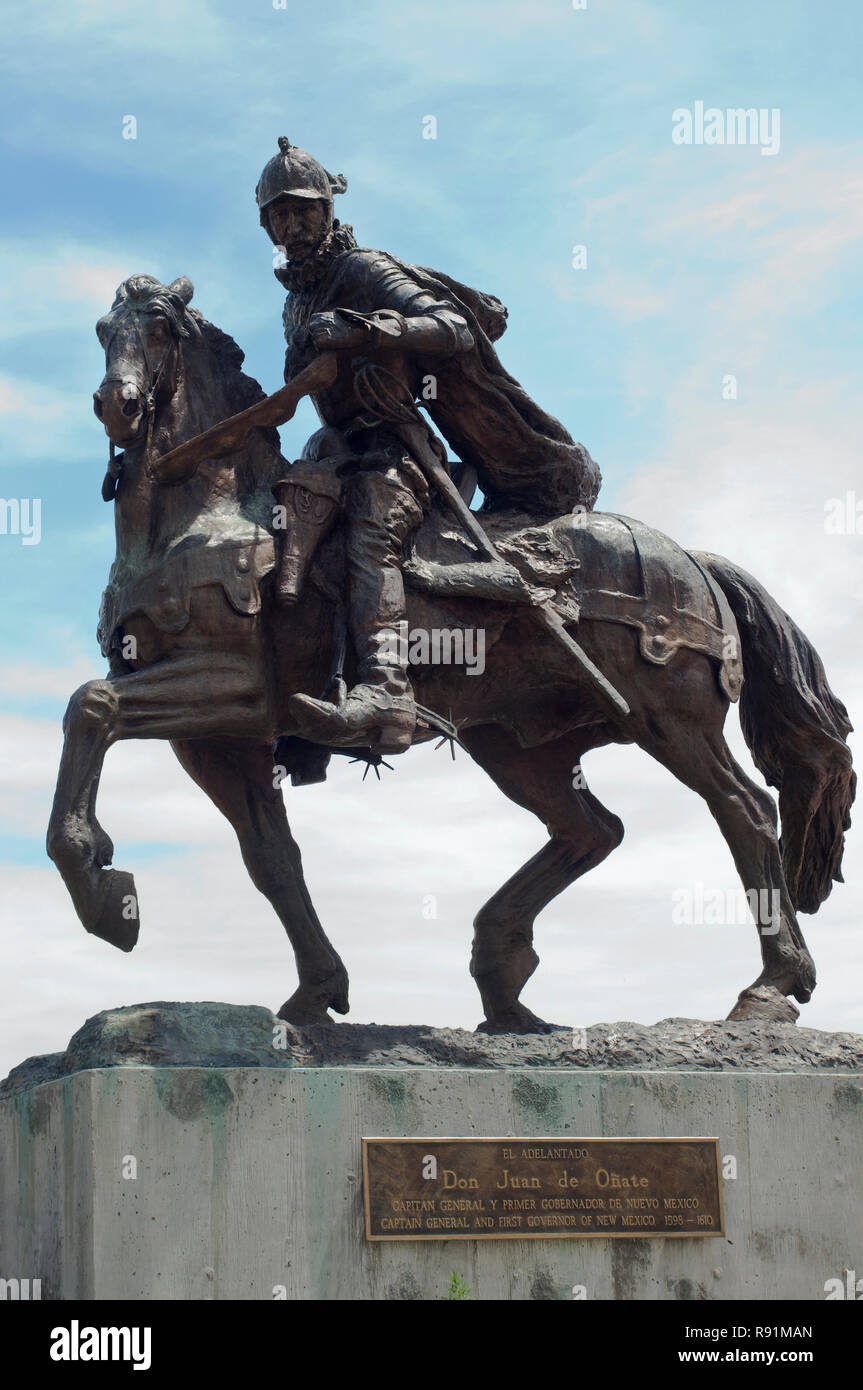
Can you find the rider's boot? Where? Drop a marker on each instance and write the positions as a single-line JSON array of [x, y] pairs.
[[379, 712], [379, 715]]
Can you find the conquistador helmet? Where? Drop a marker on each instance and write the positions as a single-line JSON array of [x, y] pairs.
[[294, 173]]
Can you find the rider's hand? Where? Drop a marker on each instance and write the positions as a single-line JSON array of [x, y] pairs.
[[533, 594], [328, 334]]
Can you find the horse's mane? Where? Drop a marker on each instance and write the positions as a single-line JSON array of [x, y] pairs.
[[242, 389], [221, 344]]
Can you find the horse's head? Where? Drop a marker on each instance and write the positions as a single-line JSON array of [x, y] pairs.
[[141, 335]]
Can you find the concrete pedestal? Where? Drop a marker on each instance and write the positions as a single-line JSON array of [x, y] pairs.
[[247, 1181]]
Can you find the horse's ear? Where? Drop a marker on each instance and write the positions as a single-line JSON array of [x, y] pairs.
[[182, 288]]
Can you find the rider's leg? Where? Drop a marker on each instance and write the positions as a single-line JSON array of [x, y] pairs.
[[382, 511]]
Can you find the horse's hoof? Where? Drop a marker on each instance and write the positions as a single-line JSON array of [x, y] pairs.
[[302, 1014], [116, 919], [518, 1019], [763, 1002], [309, 1003]]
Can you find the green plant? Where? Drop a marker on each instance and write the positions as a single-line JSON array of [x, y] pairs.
[[457, 1289]]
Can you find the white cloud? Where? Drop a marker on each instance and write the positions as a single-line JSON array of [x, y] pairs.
[[31, 680], [35, 417], [52, 286], [751, 247]]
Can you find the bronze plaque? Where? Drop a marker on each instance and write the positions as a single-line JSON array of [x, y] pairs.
[[494, 1189]]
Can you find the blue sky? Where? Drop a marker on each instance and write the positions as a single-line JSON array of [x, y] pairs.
[[553, 129]]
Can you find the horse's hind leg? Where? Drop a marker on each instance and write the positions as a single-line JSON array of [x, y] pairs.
[[698, 755], [582, 834], [238, 778]]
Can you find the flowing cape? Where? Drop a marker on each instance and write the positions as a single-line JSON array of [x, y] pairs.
[[524, 458]]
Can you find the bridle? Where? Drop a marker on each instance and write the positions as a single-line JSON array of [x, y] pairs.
[[115, 460]]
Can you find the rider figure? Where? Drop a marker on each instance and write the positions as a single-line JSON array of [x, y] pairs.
[[370, 308]]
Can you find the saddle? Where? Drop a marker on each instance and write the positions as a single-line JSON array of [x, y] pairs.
[[601, 568], [593, 566], [635, 575]]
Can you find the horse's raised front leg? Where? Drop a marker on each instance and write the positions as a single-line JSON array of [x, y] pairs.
[[238, 778], [104, 898], [186, 695]]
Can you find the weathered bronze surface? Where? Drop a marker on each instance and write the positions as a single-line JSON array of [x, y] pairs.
[[258, 611], [496, 1189]]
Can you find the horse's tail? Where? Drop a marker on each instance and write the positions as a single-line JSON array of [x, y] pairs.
[[796, 730]]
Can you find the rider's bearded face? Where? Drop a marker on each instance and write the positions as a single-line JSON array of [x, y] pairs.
[[299, 225]]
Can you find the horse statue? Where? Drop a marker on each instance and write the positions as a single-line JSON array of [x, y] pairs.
[[205, 652]]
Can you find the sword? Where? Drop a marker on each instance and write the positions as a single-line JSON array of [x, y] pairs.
[[181, 464]]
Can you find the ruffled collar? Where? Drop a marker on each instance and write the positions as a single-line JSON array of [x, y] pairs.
[[296, 277]]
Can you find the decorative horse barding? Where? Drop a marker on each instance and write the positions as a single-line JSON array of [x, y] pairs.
[[202, 655]]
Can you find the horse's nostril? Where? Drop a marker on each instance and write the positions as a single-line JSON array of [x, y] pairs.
[[97, 404], [130, 408]]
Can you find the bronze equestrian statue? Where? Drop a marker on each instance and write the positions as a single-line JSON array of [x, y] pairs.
[[251, 609]]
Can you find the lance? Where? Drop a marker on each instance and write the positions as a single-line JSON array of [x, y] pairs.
[[181, 464]]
